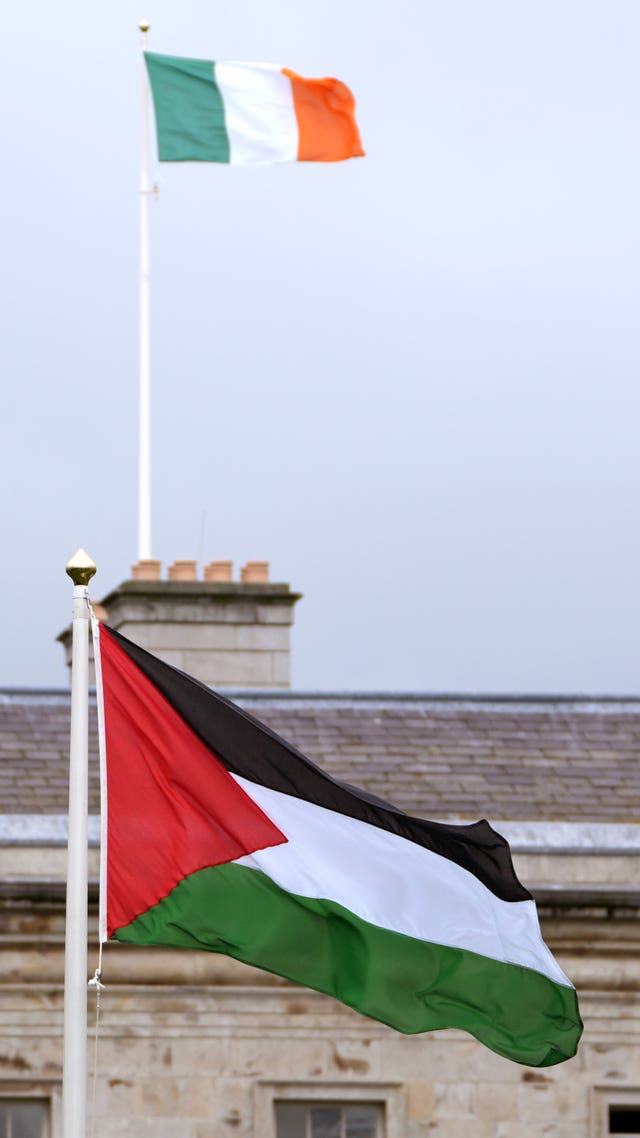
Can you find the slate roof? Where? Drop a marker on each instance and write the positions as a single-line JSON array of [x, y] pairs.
[[529, 759]]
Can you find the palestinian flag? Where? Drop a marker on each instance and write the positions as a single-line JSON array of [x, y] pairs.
[[248, 114], [219, 835]]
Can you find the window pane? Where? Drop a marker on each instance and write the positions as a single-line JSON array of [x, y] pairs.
[[328, 1120], [325, 1122], [290, 1120], [624, 1119], [27, 1120], [361, 1121]]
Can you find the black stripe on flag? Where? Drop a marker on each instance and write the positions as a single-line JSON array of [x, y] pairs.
[[253, 751]]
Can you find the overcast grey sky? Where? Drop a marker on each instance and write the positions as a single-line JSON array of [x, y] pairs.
[[409, 381]]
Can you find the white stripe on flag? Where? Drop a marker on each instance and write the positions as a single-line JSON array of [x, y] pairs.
[[259, 113], [395, 884]]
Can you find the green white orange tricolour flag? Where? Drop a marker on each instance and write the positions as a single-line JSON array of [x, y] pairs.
[[219, 835], [249, 113]]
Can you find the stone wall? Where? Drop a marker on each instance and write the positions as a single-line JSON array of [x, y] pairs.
[[200, 1046]]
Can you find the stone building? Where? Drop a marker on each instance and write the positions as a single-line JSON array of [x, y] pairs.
[[198, 1045]]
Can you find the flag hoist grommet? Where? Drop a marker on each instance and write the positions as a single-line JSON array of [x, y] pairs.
[[219, 835]]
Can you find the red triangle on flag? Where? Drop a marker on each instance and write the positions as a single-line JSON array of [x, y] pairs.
[[172, 807]]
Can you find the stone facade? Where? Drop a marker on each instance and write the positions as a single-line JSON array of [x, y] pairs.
[[200, 1046]]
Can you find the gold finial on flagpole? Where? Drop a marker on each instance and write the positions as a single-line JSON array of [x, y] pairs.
[[144, 26], [81, 568]]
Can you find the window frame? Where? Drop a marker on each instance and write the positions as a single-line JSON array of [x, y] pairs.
[[390, 1096], [45, 1091], [602, 1097]]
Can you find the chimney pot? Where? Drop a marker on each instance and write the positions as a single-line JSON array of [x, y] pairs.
[[255, 572], [183, 571], [219, 571], [148, 570]]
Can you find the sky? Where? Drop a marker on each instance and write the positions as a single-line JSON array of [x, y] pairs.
[[408, 381]]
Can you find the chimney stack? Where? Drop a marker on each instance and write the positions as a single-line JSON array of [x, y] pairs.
[[226, 633]]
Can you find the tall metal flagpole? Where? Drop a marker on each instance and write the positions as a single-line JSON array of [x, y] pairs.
[[74, 1072], [144, 451]]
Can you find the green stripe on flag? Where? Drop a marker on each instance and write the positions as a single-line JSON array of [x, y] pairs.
[[189, 110], [410, 984]]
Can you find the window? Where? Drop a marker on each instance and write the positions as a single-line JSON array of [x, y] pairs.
[[615, 1111], [337, 1108], [328, 1120], [23, 1118], [624, 1119]]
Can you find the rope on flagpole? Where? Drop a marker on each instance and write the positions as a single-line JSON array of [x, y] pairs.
[[95, 983], [98, 986]]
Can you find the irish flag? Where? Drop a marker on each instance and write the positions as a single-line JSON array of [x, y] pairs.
[[219, 835], [249, 113]]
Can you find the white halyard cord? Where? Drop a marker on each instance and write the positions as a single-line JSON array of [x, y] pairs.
[[96, 982], [98, 986], [102, 750]]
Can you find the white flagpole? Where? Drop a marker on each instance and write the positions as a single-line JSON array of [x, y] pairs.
[[144, 414], [74, 1072]]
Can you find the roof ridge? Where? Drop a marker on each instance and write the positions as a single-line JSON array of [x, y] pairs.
[[257, 697]]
